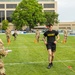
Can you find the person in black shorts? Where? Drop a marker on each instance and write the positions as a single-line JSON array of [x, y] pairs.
[[52, 38], [15, 34]]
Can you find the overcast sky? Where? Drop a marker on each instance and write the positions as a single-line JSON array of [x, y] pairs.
[[66, 10]]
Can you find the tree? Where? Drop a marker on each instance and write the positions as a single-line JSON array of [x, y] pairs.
[[4, 24], [29, 13], [51, 18]]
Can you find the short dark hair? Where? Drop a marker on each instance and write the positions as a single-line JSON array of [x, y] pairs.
[[49, 25]]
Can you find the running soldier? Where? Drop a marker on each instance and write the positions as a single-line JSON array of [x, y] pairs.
[[65, 35], [3, 52], [8, 34], [2, 69]]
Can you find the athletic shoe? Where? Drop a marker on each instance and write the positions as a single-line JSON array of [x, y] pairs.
[[50, 65]]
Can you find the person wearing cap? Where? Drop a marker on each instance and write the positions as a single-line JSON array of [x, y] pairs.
[[50, 42]]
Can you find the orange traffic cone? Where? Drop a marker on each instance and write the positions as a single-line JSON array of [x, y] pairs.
[[35, 41], [8, 41]]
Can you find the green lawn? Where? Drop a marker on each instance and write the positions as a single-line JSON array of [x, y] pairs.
[[29, 58]]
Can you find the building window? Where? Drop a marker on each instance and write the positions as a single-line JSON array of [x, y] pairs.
[[62, 27], [49, 6], [1, 5], [2, 16], [11, 5], [73, 24], [8, 15], [49, 10], [68, 27]]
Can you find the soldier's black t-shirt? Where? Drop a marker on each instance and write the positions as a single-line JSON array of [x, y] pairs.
[[51, 36]]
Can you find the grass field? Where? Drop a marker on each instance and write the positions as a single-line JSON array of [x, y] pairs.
[[29, 58]]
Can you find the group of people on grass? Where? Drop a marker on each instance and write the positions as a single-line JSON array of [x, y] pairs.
[[50, 40], [8, 34]]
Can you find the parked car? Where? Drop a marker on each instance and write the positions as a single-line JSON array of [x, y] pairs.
[[3, 31]]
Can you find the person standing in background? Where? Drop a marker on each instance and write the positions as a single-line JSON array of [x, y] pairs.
[[65, 35], [15, 34], [37, 35], [8, 34]]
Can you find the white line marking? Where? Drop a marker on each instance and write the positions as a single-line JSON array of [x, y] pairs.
[[34, 46], [19, 63]]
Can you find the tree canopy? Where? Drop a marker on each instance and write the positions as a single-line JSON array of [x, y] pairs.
[[4, 24], [51, 18], [29, 13]]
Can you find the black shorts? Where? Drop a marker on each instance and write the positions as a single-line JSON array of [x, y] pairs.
[[51, 46]]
